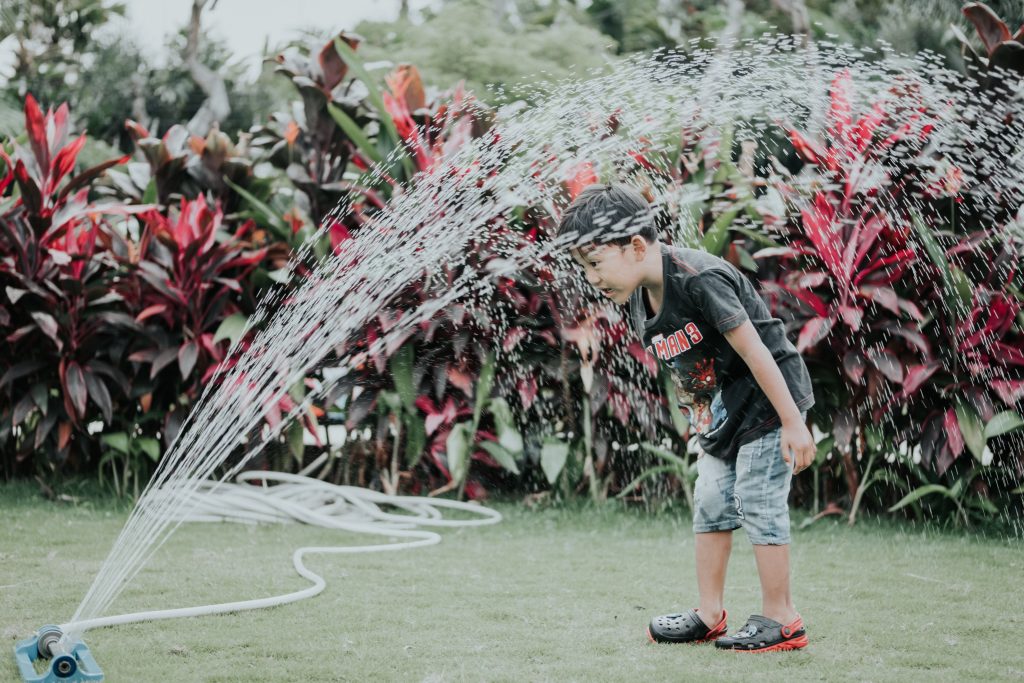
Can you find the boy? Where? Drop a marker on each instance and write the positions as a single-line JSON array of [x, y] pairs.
[[746, 390]]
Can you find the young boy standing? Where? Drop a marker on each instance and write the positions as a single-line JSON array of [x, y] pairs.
[[745, 388]]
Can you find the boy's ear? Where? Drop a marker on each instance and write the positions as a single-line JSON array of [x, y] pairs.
[[639, 246]]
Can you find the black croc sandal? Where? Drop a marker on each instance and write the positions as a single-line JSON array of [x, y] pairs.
[[761, 634], [684, 628]]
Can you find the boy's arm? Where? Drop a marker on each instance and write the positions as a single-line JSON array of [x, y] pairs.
[[795, 435]]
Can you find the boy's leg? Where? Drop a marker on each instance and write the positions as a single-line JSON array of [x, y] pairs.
[[773, 569], [713, 550], [762, 486], [714, 519]]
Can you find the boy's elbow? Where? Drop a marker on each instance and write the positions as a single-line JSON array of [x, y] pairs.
[[745, 340]]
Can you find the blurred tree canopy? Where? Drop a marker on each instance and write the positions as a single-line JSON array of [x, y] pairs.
[[68, 50], [476, 41]]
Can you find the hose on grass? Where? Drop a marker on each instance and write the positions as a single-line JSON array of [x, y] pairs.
[[298, 498]]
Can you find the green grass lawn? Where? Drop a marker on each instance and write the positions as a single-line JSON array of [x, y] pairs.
[[547, 595]]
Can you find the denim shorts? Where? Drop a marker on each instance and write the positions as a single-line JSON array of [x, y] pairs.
[[751, 491]]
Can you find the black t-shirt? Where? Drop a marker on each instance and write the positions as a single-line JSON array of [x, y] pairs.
[[704, 297]]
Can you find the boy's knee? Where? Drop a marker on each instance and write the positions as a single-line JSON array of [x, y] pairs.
[[713, 497]]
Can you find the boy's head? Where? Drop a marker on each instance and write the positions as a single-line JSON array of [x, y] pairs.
[[615, 231]]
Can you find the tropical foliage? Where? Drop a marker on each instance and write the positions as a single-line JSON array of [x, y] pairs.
[[123, 285]]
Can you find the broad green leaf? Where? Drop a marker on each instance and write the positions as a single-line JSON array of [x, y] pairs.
[[679, 420], [553, 455], [664, 455], [460, 440], [355, 133], [297, 391], [825, 446], [149, 196], [373, 90], [508, 432], [746, 260], [295, 442], [266, 216], [231, 328], [758, 237], [506, 459], [116, 440], [389, 400], [963, 287], [401, 373], [415, 438], [938, 256], [373, 94], [648, 473], [716, 237], [875, 438], [971, 428], [920, 493], [483, 387], [1006, 421], [149, 446]]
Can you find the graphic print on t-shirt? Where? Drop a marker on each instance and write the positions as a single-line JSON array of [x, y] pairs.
[[693, 375]]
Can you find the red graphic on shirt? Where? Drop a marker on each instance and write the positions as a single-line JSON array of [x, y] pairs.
[[667, 347], [694, 380], [695, 386]]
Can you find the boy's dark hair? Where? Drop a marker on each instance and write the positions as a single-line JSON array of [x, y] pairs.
[[600, 211]]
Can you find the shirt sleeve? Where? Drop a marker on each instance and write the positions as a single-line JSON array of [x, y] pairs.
[[716, 293]]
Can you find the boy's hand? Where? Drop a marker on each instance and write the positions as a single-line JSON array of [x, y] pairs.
[[798, 439]]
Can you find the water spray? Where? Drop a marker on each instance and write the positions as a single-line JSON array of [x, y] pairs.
[[434, 222], [293, 498]]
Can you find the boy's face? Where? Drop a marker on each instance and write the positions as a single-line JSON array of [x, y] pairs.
[[614, 270]]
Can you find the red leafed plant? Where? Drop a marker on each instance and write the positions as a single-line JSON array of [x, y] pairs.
[[188, 276], [58, 345], [90, 313], [918, 320]]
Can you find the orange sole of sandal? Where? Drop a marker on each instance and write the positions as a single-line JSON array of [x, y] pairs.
[[709, 639], [793, 644]]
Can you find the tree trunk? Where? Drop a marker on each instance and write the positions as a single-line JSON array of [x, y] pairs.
[[215, 107], [798, 16]]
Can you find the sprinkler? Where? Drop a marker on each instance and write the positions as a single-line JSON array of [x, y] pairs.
[[70, 660]]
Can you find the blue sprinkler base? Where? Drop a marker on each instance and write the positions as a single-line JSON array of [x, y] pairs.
[[70, 662]]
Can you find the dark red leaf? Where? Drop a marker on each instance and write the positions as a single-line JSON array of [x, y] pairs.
[[75, 388], [31, 194], [187, 356], [19, 370], [1010, 391], [887, 362], [150, 311], [99, 395], [35, 126], [162, 360], [916, 376], [1008, 354], [21, 409], [332, 65], [990, 27], [89, 174], [854, 364], [814, 330], [64, 163], [646, 359], [954, 438], [49, 327], [527, 390]]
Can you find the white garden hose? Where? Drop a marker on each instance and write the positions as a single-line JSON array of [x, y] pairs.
[[297, 498]]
